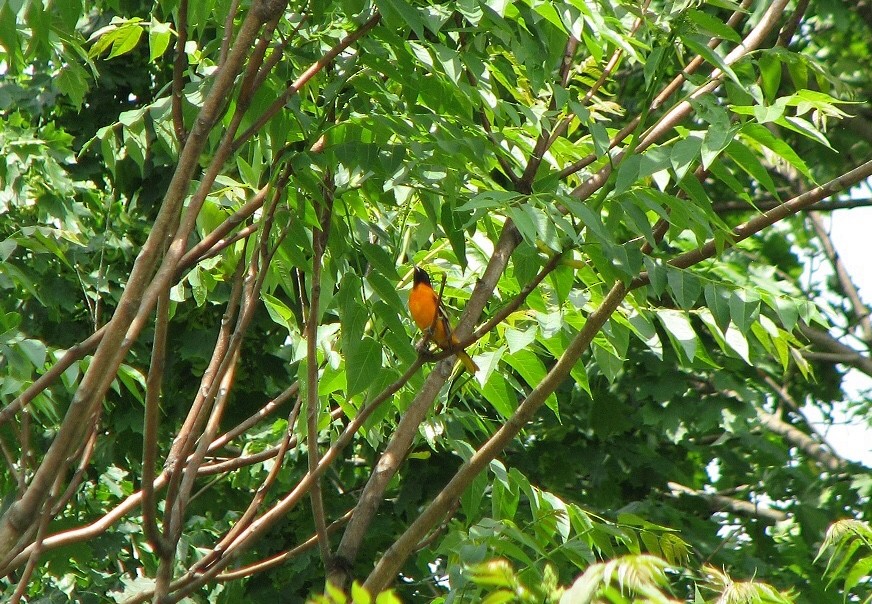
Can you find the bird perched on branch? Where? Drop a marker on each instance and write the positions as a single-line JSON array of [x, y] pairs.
[[430, 316]]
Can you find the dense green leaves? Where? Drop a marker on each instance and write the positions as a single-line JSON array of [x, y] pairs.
[[578, 168]]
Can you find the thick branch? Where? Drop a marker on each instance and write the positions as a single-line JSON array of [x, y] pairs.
[[722, 503], [844, 353], [123, 329], [766, 219], [803, 441]]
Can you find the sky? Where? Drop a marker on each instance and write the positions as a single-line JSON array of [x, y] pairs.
[[850, 232]]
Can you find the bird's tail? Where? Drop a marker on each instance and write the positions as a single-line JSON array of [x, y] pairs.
[[467, 361]]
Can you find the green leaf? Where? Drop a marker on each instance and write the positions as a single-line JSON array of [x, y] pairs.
[[500, 395], [118, 39], [684, 154], [628, 173], [751, 164], [519, 340], [592, 221], [764, 136], [353, 318], [159, 35], [198, 288], [712, 25], [608, 361], [9, 38], [363, 362], [397, 13], [525, 225], [738, 343], [386, 290], [638, 219], [387, 597], [472, 497], [490, 200], [279, 311], [359, 595], [35, 351], [681, 333], [700, 47], [717, 300], [531, 368], [743, 310], [685, 287], [451, 223], [770, 74], [7, 246], [72, 81], [380, 260], [656, 275]]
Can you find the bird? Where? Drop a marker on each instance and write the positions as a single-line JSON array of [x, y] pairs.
[[430, 316]]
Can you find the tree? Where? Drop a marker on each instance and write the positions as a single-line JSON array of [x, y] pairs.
[[210, 215]]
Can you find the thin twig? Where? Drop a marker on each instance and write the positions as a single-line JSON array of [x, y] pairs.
[[259, 496], [17, 476], [319, 245], [205, 245], [836, 351], [150, 431], [187, 434], [26, 453], [228, 32], [861, 311], [189, 583], [262, 413], [179, 63], [282, 557], [721, 503], [304, 78], [75, 353], [277, 54], [797, 438], [86, 451], [787, 32], [36, 550]]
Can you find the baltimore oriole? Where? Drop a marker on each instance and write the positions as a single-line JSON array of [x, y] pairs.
[[424, 306]]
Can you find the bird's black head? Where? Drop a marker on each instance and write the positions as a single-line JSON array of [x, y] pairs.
[[421, 276]]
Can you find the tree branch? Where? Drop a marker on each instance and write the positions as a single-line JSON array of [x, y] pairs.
[[766, 219], [395, 556], [75, 353], [721, 503], [136, 302], [768, 204], [861, 311], [179, 63], [150, 431], [307, 75], [802, 441], [282, 557], [843, 353], [313, 407]]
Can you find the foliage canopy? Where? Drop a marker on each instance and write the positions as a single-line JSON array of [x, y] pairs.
[[209, 213]]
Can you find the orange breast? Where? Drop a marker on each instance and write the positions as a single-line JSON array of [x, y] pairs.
[[422, 306]]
